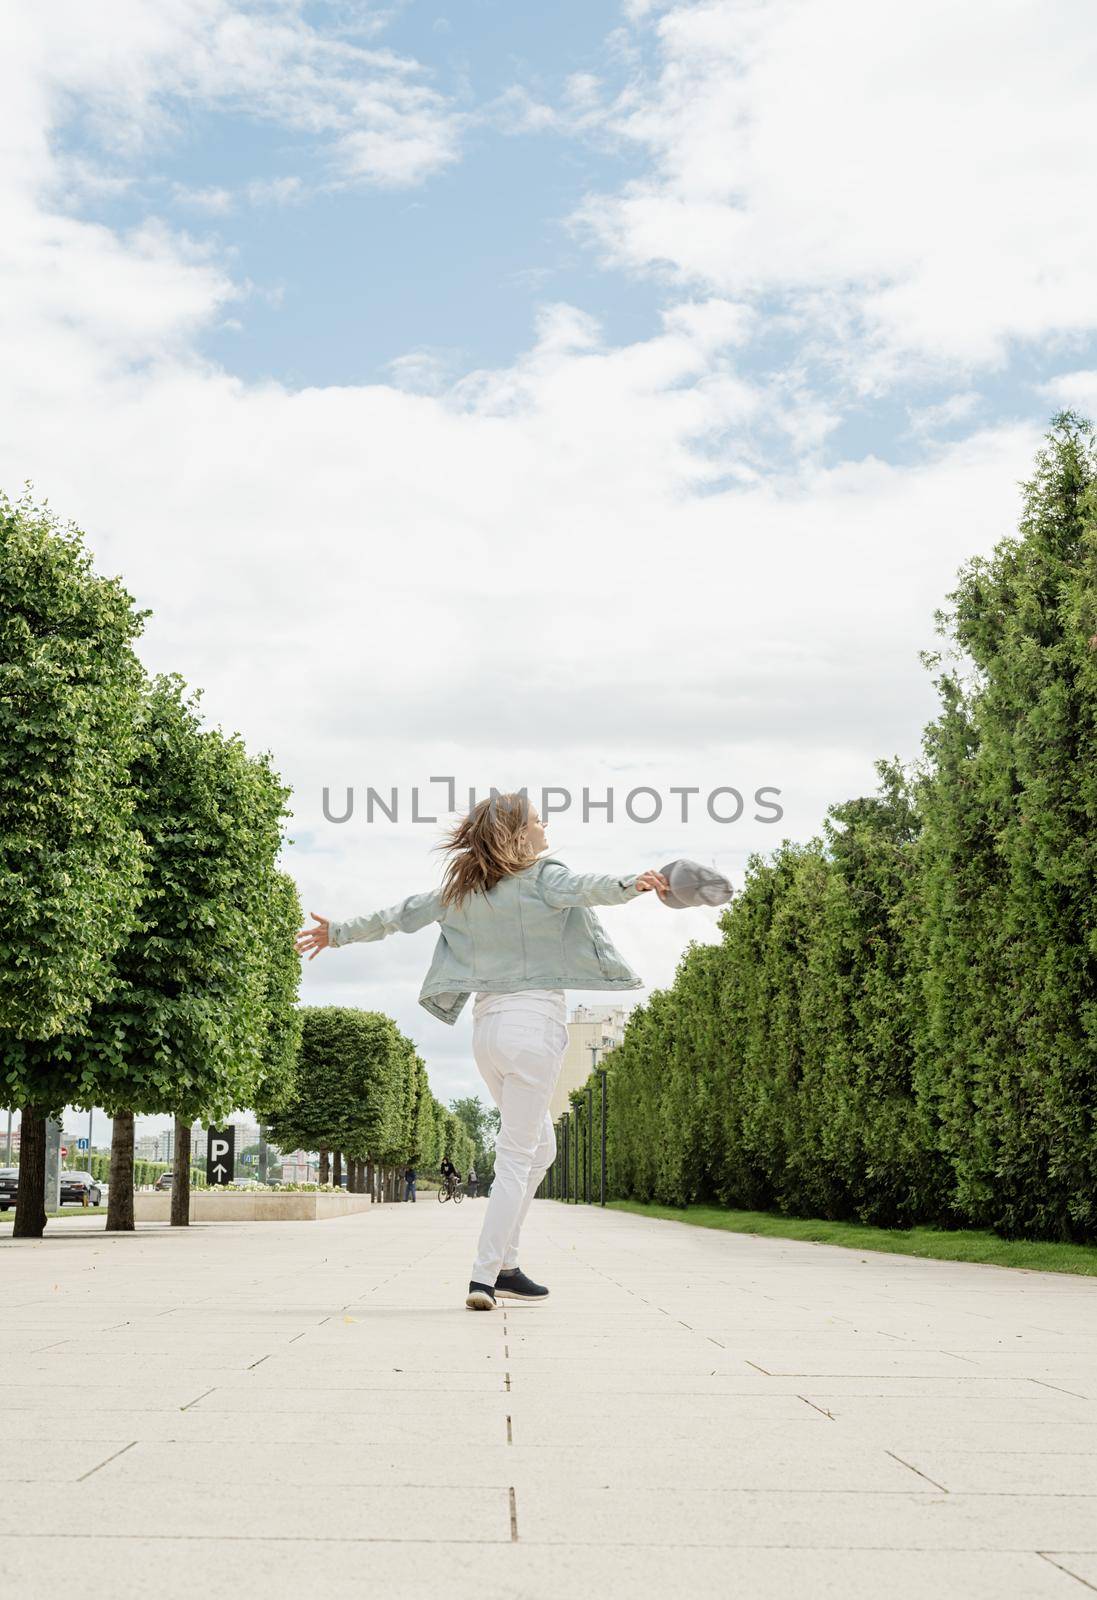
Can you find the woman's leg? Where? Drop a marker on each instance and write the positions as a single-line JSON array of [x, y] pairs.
[[518, 1055], [543, 1158]]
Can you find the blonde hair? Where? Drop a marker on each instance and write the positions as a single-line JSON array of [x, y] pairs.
[[486, 846]]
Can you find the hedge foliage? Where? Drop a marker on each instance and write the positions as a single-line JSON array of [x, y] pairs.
[[899, 1024]]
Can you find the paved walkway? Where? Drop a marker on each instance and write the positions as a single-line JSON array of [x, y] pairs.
[[292, 1407]]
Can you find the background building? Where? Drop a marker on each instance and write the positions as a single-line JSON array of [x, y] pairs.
[[300, 1166], [155, 1146], [592, 1030]]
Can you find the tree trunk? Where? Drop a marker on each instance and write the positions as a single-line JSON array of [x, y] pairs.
[[370, 1184], [180, 1176], [325, 1170], [337, 1168], [30, 1206], [120, 1197], [351, 1175], [359, 1175]]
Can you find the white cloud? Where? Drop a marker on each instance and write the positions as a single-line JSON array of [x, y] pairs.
[[911, 178], [127, 67], [517, 111], [583, 90], [218, 202], [215, 201], [715, 323], [929, 420], [1074, 390], [422, 371], [275, 191]]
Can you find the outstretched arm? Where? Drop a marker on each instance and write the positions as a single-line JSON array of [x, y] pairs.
[[407, 916], [562, 888]]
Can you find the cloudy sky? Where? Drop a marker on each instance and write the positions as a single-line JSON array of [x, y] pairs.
[[594, 396]]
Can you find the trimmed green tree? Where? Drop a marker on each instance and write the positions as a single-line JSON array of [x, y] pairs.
[[1009, 860], [71, 859]]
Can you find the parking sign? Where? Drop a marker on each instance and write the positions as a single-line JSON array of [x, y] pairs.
[[221, 1155]]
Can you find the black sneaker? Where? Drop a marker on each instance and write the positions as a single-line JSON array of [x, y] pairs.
[[516, 1286], [481, 1297]]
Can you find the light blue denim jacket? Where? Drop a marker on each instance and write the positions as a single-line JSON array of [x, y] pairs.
[[533, 930]]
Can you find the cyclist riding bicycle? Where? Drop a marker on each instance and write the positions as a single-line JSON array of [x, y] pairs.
[[450, 1175]]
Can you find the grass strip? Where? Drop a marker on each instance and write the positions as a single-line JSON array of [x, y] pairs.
[[69, 1211], [935, 1244]]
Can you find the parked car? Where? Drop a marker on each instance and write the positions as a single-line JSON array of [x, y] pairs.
[[9, 1187], [75, 1185], [164, 1180]]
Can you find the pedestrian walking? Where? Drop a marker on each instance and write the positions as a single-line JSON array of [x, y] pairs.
[[473, 1180], [409, 1184], [518, 929]]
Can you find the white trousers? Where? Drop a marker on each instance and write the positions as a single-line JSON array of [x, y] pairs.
[[518, 1042]]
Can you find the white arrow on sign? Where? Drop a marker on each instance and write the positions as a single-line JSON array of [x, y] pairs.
[[219, 1171]]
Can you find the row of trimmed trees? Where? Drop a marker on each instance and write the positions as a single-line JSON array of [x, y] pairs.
[[361, 1096], [900, 1021], [147, 960], [146, 933]]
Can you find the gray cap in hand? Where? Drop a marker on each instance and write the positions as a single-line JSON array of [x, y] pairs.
[[692, 884]]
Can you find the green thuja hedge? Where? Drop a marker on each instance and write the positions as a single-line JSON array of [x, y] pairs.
[[899, 1024], [144, 1172]]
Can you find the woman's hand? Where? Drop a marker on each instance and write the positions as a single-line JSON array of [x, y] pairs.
[[653, 880], [313, 940]]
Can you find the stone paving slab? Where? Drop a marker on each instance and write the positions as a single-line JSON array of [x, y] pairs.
[[289, 1408], [217, 1508], [1079, 1564], [528, 1572], [525, 1467], [1062, 1472], [839, 1519]]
